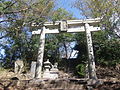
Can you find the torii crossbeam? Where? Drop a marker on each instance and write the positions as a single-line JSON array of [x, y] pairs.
[[70, 26]]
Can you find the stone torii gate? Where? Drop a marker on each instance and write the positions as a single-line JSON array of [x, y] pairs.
[[70, 26]]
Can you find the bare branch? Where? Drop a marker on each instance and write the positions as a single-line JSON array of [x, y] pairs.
[[9, 5], [14, 11], [8, 20], [3, 36]]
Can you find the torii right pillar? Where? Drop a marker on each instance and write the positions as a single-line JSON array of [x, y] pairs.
[[91, 61]]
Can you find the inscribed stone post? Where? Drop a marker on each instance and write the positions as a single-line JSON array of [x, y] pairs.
[[18, 66], [33, 68]]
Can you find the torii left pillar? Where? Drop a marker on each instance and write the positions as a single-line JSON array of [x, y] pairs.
[[40, 52]]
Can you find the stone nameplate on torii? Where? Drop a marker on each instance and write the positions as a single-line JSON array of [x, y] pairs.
[[70, 26]]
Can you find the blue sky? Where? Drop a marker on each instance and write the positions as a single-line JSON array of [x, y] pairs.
[[68, 5]]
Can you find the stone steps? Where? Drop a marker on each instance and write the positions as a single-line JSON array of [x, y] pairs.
[[58, 84]]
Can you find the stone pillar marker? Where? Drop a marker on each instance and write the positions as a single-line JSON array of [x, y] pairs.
[[33, 69], [18, 66]]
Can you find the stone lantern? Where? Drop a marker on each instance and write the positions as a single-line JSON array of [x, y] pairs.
[[47, 66]]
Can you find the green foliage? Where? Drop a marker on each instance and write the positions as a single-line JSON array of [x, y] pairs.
[[106, 45], [81, 69], [107, 52], [81, 46], [107, 9], [106, 49], [97, 8], [17, 16], [61, 14], [55, 42]]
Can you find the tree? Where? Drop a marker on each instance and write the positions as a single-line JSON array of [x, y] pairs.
[[106, 50], [61, 14], [105, 41], [15, 27], [58, 44], [16, 19], [108, 10]]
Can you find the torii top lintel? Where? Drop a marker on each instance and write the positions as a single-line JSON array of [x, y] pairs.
[[69, 26], [70, 22]]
